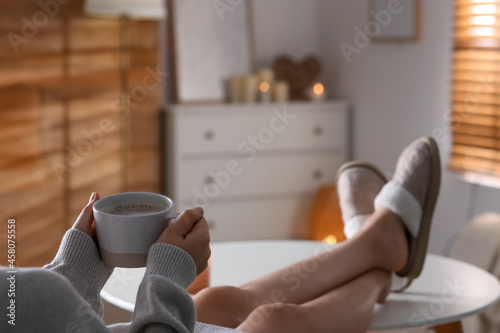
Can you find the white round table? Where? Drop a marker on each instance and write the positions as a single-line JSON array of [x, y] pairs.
[[446, 291]]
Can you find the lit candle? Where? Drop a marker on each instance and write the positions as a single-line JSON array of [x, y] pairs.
[[250, 88], [265, 92], [281, 91], [317, 92], [330, 239], [266, 75]]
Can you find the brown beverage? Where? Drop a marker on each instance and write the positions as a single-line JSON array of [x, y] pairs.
[[138, 209]]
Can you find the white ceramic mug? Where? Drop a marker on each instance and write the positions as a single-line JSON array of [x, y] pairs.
[[127, 224]]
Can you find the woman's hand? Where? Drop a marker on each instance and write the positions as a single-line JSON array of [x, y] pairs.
[[190, 232], [85, 221]]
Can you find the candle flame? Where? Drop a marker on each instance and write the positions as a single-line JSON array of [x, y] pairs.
[[330, 239], [264, 86], [318, 89]]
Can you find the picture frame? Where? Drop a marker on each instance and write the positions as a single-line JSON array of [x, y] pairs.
[[210, 41], [398, 20]]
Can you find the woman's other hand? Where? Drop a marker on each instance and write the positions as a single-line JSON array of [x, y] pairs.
[[190, 232]]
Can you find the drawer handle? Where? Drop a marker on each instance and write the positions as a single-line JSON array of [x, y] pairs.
[[318, 130], [318, 174], [209, 135], [209, 180]]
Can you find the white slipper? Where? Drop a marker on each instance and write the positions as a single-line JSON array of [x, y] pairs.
[[358, 183], [412, 194]]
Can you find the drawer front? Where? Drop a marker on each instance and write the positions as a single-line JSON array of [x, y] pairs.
[[272, 219], [202, 181], [263, 129]]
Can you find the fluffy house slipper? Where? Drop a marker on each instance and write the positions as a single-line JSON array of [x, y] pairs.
[[412, 194], [358, 184]]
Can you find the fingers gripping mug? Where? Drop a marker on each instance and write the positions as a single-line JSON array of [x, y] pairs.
[[127, 224]]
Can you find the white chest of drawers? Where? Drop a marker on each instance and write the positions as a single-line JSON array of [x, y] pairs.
[[254, 168]]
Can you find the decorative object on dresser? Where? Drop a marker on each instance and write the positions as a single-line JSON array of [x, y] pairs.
[[210, 44], [246, 88], [299, 76], [281, 92], [265, 92], [250, 89], [325, 218], [316, 92], [248, 164]]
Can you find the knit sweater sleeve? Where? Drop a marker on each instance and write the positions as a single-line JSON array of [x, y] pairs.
[[79, 261], [163, 304]]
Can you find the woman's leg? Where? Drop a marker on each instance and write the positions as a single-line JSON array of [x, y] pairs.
[[381, 244], [348, 308], [223, 306]]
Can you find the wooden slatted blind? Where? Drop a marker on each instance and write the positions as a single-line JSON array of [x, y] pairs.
[[476, 88], [55, 93]]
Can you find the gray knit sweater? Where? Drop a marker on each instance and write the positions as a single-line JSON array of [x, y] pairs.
[[64, 295]]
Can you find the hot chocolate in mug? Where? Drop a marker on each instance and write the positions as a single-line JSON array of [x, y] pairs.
[[127, 224]]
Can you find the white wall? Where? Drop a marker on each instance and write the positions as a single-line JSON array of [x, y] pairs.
[[399, 91], [289, 27]]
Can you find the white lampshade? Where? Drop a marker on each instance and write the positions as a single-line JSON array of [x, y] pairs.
[[135, 9]]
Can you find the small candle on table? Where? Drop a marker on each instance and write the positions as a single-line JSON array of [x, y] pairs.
[[265, 92]]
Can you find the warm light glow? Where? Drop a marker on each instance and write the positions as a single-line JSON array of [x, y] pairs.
[[482, 20], [331, 239], [481, 31], [264, 87], [318, 89], [477, 31], [482, 9]]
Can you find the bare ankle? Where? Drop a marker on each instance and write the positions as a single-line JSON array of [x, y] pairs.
[[388, 240]]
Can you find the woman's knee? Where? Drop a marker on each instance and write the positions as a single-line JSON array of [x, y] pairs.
[[231, 304], [278, 317]]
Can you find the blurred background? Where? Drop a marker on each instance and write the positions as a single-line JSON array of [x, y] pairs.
[[114, 96], [61, 117]]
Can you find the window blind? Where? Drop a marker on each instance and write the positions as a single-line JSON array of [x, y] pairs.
[[54, 94], [475, 119]]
